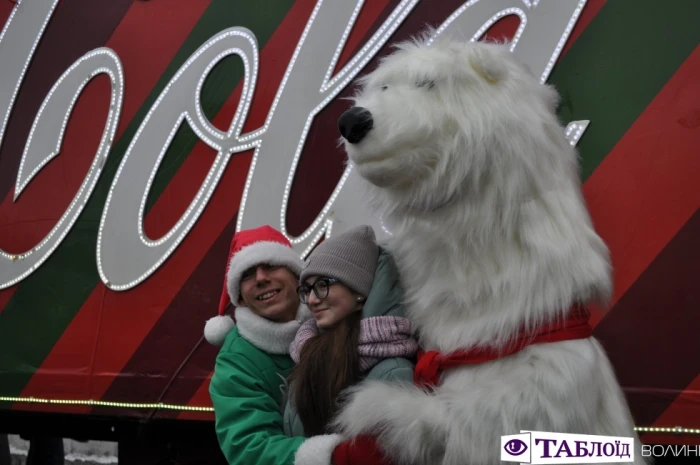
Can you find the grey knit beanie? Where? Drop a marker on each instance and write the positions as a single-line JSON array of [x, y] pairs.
[[350, 257]]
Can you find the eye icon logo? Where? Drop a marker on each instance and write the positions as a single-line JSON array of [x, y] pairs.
[[515, 447]]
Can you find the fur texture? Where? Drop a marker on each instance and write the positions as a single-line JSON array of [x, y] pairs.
[[470, 168]]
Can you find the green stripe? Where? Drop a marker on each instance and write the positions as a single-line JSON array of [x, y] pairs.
[[619, 64], [47, 301]]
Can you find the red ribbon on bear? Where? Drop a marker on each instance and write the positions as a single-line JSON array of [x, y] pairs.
[[431, 364]]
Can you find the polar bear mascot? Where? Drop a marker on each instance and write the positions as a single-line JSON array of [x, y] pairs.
[[464, 158]]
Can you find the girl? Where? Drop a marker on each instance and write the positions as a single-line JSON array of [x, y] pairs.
[[352, 288]]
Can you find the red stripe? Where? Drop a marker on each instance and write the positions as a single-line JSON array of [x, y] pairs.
[[647, 187], [146, 40], [5, 10]]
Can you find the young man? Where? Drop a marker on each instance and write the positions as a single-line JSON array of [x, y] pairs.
[[254, 362]]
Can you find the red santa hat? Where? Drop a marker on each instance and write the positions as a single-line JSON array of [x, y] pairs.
[[248, 248]]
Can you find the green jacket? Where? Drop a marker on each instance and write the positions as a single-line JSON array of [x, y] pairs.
[[384, 299], [246, 391]]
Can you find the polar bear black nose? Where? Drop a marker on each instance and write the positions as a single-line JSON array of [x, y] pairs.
[[355, 123]]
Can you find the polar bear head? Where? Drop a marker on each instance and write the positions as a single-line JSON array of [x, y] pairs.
[[452, 119]]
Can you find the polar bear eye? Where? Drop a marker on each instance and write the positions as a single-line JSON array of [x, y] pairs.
[[429, 83], [384, 87]]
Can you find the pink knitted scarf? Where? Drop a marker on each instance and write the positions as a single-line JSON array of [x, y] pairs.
[[380, 337]]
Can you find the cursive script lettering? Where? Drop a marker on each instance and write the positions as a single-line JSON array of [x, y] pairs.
[[125, 255]]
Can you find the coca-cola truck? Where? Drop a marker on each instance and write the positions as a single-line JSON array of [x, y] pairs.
[[137, 136]]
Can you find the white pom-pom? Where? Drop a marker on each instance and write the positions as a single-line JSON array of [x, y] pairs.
[[216, 329]]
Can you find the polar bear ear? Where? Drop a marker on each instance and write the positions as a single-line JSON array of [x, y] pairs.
[[487, 63]]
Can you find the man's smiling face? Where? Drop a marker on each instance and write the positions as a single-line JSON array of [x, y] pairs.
[[270, 292]]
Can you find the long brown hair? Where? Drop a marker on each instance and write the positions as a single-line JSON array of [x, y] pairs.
[[328, 363]]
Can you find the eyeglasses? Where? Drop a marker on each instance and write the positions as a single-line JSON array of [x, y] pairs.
[[320, 288]]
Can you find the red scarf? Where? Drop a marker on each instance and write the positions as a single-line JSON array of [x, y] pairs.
[[431, 364]]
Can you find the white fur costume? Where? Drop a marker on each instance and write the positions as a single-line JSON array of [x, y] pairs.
[[471, 170]]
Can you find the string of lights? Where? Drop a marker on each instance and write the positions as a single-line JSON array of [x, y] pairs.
[[193, 408], [102, 403]]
